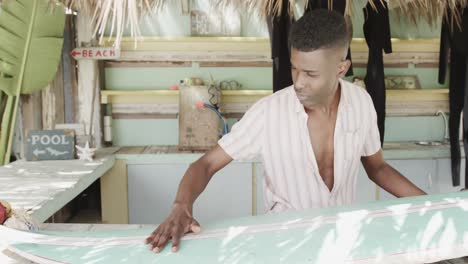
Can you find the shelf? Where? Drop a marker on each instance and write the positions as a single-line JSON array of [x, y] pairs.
[[247, 49], [253, 44], [153, 102]]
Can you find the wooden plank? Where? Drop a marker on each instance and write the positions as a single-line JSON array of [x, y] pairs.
[[249, 43], [69, 70], [102, 152], [417, 95], [53, 101], [398, 59], [42, 188], [236, 64], [114, 194], [89, 86], [416, 108], [144, 116], [237, 49], [427, 65], [141, 104], [145, 108], [139, 96], [191, 55], [146, 64], [194, 44], [31, 107], [131, 150], [401, 45], [159, 149]]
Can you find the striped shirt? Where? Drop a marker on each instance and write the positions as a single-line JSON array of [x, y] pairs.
[[275, 128]]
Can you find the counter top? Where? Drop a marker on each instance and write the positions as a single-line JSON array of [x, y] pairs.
[[43, 187], [171, 154]]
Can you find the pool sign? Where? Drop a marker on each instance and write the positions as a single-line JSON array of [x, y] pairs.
[[50, 145], [96, 53]]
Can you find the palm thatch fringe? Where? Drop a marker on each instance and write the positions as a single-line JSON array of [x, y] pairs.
[[118, 14]]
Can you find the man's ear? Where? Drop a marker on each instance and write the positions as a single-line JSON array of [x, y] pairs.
[[343, 68]]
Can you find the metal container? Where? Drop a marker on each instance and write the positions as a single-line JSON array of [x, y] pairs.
[[199, 128]]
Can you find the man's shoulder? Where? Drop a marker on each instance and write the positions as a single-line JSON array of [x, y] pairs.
[[276, 101], [357, 94], [285, 92]]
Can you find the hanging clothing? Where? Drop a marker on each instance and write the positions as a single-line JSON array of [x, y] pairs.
[[454, 41], [378, 38], [278, 27]]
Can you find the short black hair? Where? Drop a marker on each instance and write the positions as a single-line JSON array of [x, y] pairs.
[[319, 29]]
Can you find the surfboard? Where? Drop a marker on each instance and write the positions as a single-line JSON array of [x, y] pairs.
[[409, 230]]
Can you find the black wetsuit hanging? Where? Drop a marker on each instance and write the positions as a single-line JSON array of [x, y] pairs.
[[338, 6], [279, 31], [377, 34], [454, 40]]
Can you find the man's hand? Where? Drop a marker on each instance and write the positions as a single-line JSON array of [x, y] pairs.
[[178, 223]]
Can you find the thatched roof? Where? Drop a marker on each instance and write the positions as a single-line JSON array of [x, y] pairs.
[[118, 14]]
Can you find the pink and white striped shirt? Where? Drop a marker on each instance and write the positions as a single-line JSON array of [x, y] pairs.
[[275, 128]]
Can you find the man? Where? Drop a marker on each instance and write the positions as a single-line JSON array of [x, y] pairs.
[[310, 136]]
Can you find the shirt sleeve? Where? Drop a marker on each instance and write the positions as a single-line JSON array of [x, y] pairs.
[[372, 136], [244, 141]]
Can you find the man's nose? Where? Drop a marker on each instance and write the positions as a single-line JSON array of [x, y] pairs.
[[300, 83]]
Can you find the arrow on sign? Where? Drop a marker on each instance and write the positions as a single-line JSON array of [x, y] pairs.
[[74, 53], [56, 152], [38, 152]]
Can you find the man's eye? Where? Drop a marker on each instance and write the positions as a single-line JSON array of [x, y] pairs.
[[311, 75]]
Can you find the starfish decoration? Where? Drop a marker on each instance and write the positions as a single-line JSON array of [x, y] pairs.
[[85, 153]]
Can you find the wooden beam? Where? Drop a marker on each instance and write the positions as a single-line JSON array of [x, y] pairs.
[[131, 150], [53, 101], [253, 44], [144, 116], [164, 104], [266, 64], [139, 96], [114, 194], [193, 44], [417, 95], [69, 70], [244, 96], [89, 86], [147, 64], [31, 112], [245, 49]]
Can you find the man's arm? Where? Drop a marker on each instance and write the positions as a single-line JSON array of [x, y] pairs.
[[387, 177], [199, 174], [180, 220]]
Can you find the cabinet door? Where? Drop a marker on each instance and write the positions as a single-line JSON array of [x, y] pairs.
[[365, 188], [444, 176], [259, 188], [228, 195], [152, 189], [420, 172]]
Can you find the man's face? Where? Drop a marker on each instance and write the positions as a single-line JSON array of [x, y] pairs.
[[316, 74]]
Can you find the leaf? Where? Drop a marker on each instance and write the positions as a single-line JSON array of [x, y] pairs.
[[31, 37], [30, 44]]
